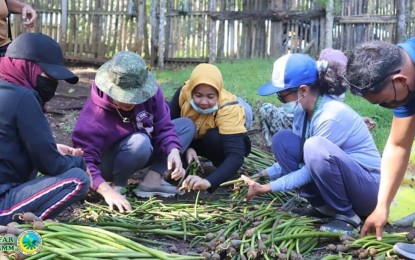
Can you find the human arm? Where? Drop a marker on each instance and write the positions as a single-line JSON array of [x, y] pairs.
[[191, 156], [29, 15], [37, 137], [90, 138], [393, 167], [234, 152], [113, 198], [174, 164], [65, 149], [254, 188], [164, 134]]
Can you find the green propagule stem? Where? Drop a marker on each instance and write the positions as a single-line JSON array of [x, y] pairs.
[[93, 243]]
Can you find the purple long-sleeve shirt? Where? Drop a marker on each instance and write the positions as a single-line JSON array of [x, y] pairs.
[[100, 126]]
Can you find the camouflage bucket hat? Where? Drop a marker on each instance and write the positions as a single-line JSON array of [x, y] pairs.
[[125, 78]]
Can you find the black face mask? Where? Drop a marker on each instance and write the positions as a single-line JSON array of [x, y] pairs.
[[398, 103], [46, 88]]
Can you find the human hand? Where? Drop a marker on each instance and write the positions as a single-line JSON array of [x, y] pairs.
[[113, 198], [191, 156], [260, 174], [254, 188], [370, 123], [174, 164], [29, 16], [194, 182], [64, 149], [375, 222]]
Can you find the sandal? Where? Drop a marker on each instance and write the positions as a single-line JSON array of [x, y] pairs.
[[165, 189], [310, 211], [343, 225], [405, 249]]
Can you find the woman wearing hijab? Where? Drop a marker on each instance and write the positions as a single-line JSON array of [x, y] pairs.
[[221, 121]]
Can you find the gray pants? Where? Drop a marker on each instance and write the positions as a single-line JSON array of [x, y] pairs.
[[338, 181], [136, 152]]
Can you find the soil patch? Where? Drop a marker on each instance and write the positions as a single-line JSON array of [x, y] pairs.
[[62, 113]]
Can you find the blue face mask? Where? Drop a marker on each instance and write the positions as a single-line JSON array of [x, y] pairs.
[[299, 108], [289, 107], [203, 111]]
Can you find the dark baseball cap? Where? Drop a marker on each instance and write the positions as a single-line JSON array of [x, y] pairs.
[[43, 50]]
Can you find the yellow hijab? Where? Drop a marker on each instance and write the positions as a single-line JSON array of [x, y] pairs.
[[229, 119]]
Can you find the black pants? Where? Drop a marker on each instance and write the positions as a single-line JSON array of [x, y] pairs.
[[211, 146], [3, 50]]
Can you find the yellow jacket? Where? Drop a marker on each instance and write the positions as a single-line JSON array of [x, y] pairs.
[[229, 118]]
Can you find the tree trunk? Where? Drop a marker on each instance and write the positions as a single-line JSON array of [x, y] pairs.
[[153, 18], [140, 27], [212, 34], [400, 17], [162, 20], [64, 20], [328, 41]]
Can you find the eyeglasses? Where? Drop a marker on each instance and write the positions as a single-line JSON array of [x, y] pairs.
[[359, 91], [282, 97]]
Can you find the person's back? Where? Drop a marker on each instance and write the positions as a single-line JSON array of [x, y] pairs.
[[339, 123], [27, 146]]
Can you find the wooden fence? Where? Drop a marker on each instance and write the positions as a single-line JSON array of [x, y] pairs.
[[209, 30]]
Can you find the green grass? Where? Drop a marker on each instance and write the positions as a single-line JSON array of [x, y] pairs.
[[243, 77]]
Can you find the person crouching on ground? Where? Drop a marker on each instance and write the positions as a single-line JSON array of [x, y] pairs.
[[329, 155], [29, 76], [384, 74], [221, 121], [125, 126]]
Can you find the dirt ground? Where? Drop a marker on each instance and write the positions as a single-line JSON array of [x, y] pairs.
[[63, 111]]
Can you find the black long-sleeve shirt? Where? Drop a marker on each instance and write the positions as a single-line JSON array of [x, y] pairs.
[[27, 145]]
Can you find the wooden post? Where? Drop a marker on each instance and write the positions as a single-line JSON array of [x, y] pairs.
[[140, 26], [221, 34], [162, 15], [400, 24], [275, 48], [63, 29], [328, 39], [146, 37], [212, 33], [153, 19]]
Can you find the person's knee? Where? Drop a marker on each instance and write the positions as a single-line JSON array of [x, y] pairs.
[[140, 147], [187, 125], [279, 139], [83, 179], [315, 150], [312, 147]]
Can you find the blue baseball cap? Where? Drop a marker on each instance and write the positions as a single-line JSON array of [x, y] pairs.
[[290, 71]]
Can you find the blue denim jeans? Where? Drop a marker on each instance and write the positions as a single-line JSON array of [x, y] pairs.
[[338, 181], [45, 196], [136, 152]]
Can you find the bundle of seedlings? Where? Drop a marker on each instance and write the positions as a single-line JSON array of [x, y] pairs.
[[367, 247], [67, 241], [262, 232]]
